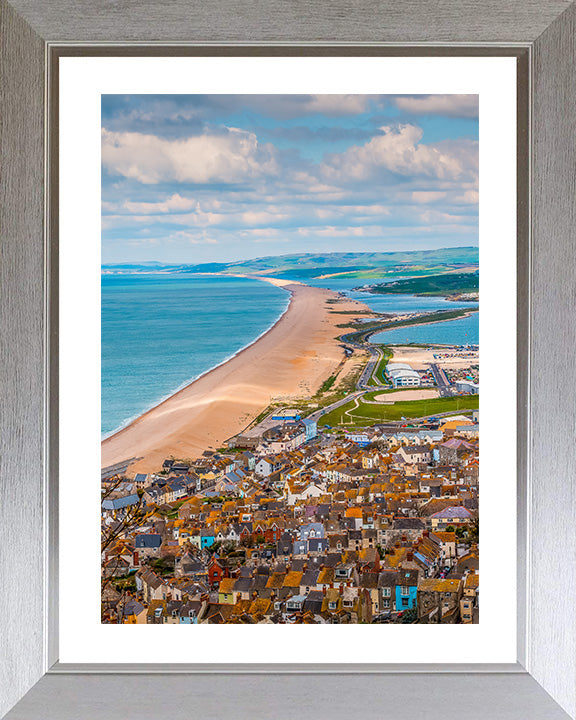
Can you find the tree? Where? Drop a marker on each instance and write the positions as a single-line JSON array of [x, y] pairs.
[[134, 516], [474, 531], [409, 616]]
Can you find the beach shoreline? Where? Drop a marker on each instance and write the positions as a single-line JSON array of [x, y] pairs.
[[292, 358]]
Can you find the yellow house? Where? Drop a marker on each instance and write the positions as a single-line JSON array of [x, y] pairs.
[[185, 536], [226, 591]]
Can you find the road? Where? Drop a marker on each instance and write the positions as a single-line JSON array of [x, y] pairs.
[[343, 401], [445, 389], [371, 365], [362, 384]]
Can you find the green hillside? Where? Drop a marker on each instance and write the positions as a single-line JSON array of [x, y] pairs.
[[444, 284], [369, 265]]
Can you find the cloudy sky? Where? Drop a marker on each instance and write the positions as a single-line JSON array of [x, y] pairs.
[[202, 178]]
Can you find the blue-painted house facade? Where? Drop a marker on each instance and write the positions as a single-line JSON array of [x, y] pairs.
[[406, 589], [207, 538]]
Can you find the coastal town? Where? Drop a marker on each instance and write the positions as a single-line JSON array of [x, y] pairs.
[[312, 516], [290, 364]]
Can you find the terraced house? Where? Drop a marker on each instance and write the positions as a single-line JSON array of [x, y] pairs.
[[331, 532]]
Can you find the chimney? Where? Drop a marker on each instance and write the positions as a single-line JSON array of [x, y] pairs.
[[323, 589], [410, 556], [341, 589]]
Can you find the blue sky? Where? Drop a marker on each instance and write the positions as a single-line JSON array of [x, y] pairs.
[[204, 178]]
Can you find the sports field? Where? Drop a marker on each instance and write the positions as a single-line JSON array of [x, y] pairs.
[[365, 411]]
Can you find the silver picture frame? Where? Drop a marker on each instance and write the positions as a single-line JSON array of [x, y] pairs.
[[542, 684]]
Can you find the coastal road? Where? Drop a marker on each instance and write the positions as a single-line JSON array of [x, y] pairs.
[[445, 389], [371, 365], [343, 401]]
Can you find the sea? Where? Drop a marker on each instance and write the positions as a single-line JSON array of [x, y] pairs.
[[461, 331], [162, 331]]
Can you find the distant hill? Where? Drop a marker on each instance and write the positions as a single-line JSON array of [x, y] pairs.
[[445, 284], [313, 265]]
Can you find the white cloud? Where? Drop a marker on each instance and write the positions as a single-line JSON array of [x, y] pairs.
[[433, 217], [263, 217], [398, 150], [340, 232], [339, 104], [231, 157], [465, 106], [174, 203], [470, 197], [427, 197], [291, 106]]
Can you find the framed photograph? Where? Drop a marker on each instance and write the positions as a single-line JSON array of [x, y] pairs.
[[249, 288]]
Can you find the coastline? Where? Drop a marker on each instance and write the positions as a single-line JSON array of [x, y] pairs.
[[126, 423], [292, 358], [468, 313]]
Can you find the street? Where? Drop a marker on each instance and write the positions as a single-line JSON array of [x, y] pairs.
[[444, 387]]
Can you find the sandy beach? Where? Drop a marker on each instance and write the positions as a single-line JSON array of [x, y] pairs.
[[291, 360]]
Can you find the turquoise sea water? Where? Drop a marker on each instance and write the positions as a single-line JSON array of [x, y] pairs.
[[160, 332], [462, 331]]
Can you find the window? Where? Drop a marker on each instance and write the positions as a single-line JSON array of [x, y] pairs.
[[404, 602], [386, 592], [386, 603], [404, 590], [332, 605]]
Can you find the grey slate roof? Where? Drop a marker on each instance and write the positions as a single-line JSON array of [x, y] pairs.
[[119, 503], [148, 541]]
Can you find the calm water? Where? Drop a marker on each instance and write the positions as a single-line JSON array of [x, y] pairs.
[[387, 303], [462, 331], [161, 332]]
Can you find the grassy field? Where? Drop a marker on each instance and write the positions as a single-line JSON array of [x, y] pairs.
[[370, 414], [381, 367]]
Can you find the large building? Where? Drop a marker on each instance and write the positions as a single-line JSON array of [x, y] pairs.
[[402, 375], [467, 386]]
